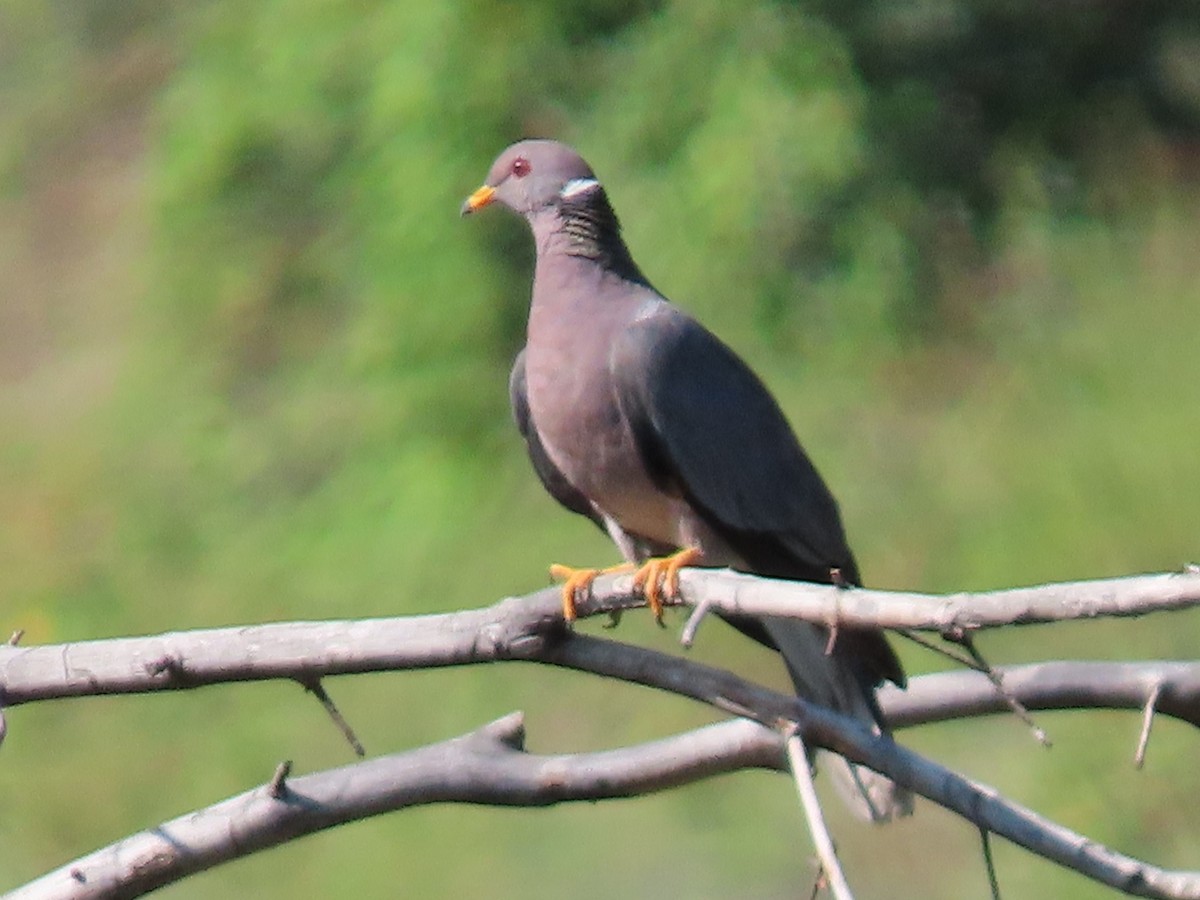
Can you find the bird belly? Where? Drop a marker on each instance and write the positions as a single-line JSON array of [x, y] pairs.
[[595, 450], [585, 436], [603, 462]]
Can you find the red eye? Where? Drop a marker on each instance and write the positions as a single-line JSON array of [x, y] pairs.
[[521, 167]]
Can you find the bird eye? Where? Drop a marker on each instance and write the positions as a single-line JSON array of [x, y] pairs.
[[521, 167]]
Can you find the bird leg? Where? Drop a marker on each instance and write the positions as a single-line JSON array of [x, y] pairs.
[[577, 582], [664, 569]]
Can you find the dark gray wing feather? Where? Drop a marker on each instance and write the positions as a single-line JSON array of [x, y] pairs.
[[708, 429], [552, 479]]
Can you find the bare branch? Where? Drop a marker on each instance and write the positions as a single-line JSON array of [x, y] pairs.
[[490, 767], [278, 783], [735, 593], [687, 637], [802, 774], [1139, 755], [967, 642], [318, 690], [985, 841], [487, 766], [301, 651], [1048, 685], [515, 628]]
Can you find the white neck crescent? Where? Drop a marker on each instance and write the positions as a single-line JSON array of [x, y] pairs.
[[577, 186]]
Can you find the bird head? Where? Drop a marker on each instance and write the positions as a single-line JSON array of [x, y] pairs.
[[531, 176]]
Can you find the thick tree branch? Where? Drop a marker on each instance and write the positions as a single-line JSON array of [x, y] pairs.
[[487, 766], [748, 595], [490, 767], [1049, 685], [302, 651], [516, 627]]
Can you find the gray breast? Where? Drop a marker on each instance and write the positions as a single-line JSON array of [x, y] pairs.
[[572, 325]]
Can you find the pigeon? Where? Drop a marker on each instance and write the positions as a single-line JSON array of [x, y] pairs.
[[641, 419]]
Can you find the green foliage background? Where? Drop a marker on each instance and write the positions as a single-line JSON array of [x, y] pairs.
[[253, 368]]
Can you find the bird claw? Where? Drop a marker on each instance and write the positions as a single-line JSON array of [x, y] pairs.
[[659, 578], [656, 579], [577, 583], [574, 581]]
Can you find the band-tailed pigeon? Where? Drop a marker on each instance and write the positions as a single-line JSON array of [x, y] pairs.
[[639, 418]]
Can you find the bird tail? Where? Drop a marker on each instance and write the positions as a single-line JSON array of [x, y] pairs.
[[870, 796], [833, 679]]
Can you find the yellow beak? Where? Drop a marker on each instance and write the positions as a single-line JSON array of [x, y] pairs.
[[478, 200]]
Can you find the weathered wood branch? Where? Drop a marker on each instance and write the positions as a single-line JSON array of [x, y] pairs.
[[513, 628], [1049, 685], [1137, 595], [303, 651], [488, 766]]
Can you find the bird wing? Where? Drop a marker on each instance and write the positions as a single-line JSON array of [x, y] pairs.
[[709, 430], [552, 478]]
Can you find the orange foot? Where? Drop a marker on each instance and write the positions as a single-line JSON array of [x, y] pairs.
[[664, 569], [577, 582]]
